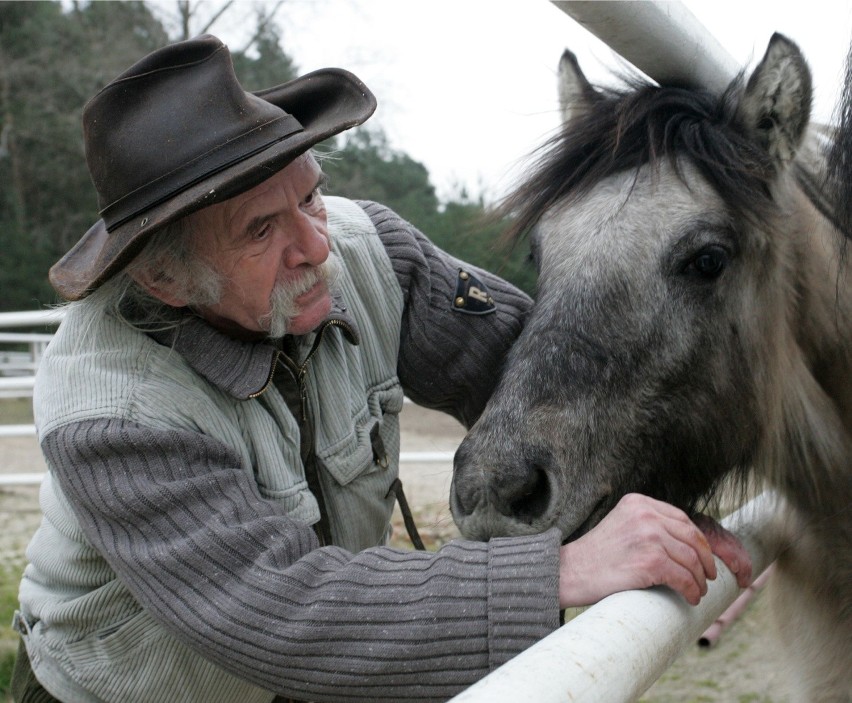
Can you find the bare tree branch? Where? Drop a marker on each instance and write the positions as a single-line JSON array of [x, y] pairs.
[[185, 14], [263, 19], [215, 17]]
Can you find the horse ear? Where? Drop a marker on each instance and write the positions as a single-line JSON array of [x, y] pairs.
[[575, 91], [776, 104]]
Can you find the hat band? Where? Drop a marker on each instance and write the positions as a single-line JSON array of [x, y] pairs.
[[199, 169]]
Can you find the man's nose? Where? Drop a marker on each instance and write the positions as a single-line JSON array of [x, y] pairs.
[[309, 244]]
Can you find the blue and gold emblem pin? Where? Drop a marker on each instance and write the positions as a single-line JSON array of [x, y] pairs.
[[472, 296]]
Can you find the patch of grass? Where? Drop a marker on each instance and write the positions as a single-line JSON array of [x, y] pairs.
[[670, 676], [9, 579], [16, 411], [690, 699], [737, 652], [7, 664]]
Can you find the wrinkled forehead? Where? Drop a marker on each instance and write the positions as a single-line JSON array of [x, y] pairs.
[[626, 218], [230, 224]]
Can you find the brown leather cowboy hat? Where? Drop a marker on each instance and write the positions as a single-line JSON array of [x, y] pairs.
[[176, 132]]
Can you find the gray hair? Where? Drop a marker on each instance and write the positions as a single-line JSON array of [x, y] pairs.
[[169, 257]]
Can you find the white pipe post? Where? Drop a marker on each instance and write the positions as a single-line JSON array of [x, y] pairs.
[[21, 479], [16, 386], [617, 649], [664, 40], [31, 318], [17, 430]]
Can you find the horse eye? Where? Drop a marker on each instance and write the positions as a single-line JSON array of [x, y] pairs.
[[709, 262]]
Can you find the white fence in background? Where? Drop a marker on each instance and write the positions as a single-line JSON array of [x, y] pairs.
[[20, 352]]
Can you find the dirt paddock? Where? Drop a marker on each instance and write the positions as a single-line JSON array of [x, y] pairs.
[[743, 667]]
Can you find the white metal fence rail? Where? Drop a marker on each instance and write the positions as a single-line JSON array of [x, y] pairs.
[[664, 40], [20, 352], [615, 650]]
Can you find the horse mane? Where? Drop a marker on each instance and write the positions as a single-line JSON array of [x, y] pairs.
[[839, 158], [625, 129]]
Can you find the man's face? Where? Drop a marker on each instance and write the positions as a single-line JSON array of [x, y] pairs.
[[269, 242]]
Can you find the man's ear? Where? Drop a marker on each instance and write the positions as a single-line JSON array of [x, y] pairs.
[[161, 286]]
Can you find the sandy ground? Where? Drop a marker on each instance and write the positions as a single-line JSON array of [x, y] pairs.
[[743, 667]]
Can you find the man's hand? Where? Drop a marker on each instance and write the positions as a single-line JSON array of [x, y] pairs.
[[644, 542]]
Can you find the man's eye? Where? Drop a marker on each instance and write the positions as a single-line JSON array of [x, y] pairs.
[[262, 233], [314, 197]]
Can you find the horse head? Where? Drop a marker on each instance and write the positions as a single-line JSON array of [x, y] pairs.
[[669, 235]]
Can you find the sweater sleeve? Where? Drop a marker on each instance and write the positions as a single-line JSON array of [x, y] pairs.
[[231, 575], [448, 360]]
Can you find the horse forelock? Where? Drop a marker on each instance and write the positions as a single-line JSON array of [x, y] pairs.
[[645, 124]]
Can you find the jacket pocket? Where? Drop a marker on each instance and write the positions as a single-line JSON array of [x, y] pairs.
[[373, 443]]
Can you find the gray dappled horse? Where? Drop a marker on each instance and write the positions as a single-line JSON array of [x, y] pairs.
[[692, 323]]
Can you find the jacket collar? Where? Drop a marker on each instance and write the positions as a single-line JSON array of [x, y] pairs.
[[241, 369]]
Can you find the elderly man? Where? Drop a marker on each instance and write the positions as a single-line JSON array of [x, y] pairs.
[[219, 413]]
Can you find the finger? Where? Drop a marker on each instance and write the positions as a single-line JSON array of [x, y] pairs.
[[686, 561], [696, 551], [728, 548], [735, 556], [683, 581]]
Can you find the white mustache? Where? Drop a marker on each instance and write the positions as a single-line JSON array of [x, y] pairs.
[[282, 302]]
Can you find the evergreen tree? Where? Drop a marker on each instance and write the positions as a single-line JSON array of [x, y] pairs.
[[367, 168], [269, 65], [51, 62]]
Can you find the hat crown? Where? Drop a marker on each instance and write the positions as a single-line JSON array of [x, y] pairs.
[[172, 119]]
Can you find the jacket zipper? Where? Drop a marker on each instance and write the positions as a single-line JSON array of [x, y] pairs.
[[300, 371]]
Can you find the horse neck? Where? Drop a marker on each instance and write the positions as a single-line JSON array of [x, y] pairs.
[[819, 266], [809, 458]]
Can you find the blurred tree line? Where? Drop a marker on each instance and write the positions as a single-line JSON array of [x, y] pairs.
[[54, 57]]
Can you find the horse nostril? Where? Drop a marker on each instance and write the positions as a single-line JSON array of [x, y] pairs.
[[463, 501], [531, 499], [467, 488], [518, 488]]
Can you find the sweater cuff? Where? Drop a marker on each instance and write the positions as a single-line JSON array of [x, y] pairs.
[[523, 593]]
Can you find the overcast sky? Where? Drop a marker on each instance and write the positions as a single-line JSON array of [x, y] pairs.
[[468, 86]]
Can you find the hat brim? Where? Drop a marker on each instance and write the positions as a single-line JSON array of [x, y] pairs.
[[325, 102]]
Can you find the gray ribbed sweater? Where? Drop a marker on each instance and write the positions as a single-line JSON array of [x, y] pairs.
[[238, 596]]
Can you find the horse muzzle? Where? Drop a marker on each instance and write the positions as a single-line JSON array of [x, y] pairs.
[[488, 499]]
